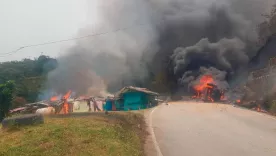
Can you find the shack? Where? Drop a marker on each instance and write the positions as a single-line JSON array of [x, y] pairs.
[[131, 98]]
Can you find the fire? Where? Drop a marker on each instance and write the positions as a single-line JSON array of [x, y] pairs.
[[209, 93], [198, 95], [222, 97], [65, 102], [54, 98], [238, 101], [203, 83], [258, 108], [67, 95], [65, 105]]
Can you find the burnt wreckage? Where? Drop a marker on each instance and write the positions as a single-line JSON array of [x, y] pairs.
[[207, 91]]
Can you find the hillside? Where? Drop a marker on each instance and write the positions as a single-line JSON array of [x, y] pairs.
[[80, 134], [29, 76]]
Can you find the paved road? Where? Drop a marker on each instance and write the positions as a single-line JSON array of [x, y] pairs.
[[200, 129]]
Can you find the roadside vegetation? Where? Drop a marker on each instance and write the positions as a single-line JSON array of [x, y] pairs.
[[267, 29], [100, 135], [28, 76], [272, 108], [6, 96]]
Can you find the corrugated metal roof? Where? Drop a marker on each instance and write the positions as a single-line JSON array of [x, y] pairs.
[[17, 109], [42, 103], [131, 88]]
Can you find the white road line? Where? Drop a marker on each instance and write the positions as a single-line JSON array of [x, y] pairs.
[[157, 148]]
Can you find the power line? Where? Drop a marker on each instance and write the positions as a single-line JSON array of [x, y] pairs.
[[6, 54], [66, 40]]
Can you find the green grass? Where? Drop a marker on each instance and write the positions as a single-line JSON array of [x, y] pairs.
[[115, 134]]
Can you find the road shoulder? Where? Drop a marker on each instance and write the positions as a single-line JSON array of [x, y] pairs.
[[149, 146]]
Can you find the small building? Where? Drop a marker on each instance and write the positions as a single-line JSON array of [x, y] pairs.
[[131, 98]]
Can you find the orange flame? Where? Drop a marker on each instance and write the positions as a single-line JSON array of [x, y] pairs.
[[65, 104], [198, 95], [258, 108], [209, 94], [67, 95], [54, 98], [222, 96], [203, 83], [65, 107], [210, 99]]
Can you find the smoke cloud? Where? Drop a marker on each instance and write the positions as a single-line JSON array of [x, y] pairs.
[[227, 54], [221, 35], [111, 60], [181, 38]]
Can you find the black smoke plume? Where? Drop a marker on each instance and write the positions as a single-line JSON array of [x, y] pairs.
[[180, 38], [208, 35]]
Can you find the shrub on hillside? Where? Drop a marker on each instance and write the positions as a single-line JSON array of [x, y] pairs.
[[273, 107], [6, 97]]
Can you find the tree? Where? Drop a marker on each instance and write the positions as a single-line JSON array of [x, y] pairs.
[[6, 96], [29, 76], [44, 64]]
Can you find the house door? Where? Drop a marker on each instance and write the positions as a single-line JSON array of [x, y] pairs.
[[113, 106]]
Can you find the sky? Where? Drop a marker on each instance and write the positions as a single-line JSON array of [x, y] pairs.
[[28, 22]]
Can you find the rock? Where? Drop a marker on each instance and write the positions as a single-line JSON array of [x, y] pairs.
[[24, 120]]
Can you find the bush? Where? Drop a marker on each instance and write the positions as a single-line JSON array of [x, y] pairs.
[[273, 107], [6, 97]]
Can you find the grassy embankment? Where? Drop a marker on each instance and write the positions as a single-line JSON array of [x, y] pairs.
[[99, 135]]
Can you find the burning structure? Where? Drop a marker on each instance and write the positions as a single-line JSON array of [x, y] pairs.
[[207, 91], [60, 105]]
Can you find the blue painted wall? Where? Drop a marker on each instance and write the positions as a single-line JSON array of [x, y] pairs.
[[130, 101], [135, 100], [108, 105], [118, 104]]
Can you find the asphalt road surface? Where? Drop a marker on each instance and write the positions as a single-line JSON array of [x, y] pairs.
[[201, 129]]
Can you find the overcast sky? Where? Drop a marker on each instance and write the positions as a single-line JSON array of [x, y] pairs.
[[25, 22]]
